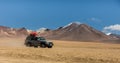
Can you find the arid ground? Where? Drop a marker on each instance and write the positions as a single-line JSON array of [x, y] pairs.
[[14, 51]]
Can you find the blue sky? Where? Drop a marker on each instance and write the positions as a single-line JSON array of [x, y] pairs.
[[34, 14]]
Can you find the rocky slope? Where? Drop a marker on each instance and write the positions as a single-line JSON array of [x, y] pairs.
[[76, 31], [13, 32], [73, 31]]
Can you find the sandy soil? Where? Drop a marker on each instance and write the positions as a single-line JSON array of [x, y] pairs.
[[12, 50]]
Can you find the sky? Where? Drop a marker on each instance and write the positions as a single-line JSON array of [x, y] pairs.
[[103, 15]]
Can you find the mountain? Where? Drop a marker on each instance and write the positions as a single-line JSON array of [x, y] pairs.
[[13, 32], [73, 31], [76, 31], [115, 36], [42, 30]]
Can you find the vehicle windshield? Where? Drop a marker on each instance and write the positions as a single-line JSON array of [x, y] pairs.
[[41, 38]]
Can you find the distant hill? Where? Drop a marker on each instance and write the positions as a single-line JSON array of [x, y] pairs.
[[73, 31], [117, 36], [76, 31], [13, 32]]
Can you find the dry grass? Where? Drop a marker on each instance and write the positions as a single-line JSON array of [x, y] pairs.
[[62, 52]]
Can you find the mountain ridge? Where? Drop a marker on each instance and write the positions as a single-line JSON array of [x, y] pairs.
[[77, 32], [12, 32], [74, 31]]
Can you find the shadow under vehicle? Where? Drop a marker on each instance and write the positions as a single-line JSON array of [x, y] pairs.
[[37, 41]]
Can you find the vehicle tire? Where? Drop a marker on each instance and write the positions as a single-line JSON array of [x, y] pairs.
[[35, 46], [49, 46], [43, 45], [51, 43], [29, 45]]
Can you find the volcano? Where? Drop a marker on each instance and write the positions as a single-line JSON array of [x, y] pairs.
[[76, 31]]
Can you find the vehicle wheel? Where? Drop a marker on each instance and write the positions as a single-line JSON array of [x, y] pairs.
[[35, 46], [29, 45], [43, 45], [49, 46]]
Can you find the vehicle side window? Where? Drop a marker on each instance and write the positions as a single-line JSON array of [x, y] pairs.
[[36, 38]]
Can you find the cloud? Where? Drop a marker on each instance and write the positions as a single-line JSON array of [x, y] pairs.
[[112, 29], [94, 19], [115, 27]]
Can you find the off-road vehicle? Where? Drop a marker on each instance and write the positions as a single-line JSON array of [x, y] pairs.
[[37, 41]]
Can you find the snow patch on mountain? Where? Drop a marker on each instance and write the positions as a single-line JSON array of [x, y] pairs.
[[29, 31], [41, 30], [108, 33], [77, 23]]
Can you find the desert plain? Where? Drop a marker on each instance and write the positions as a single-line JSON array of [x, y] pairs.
[[13, 50]]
